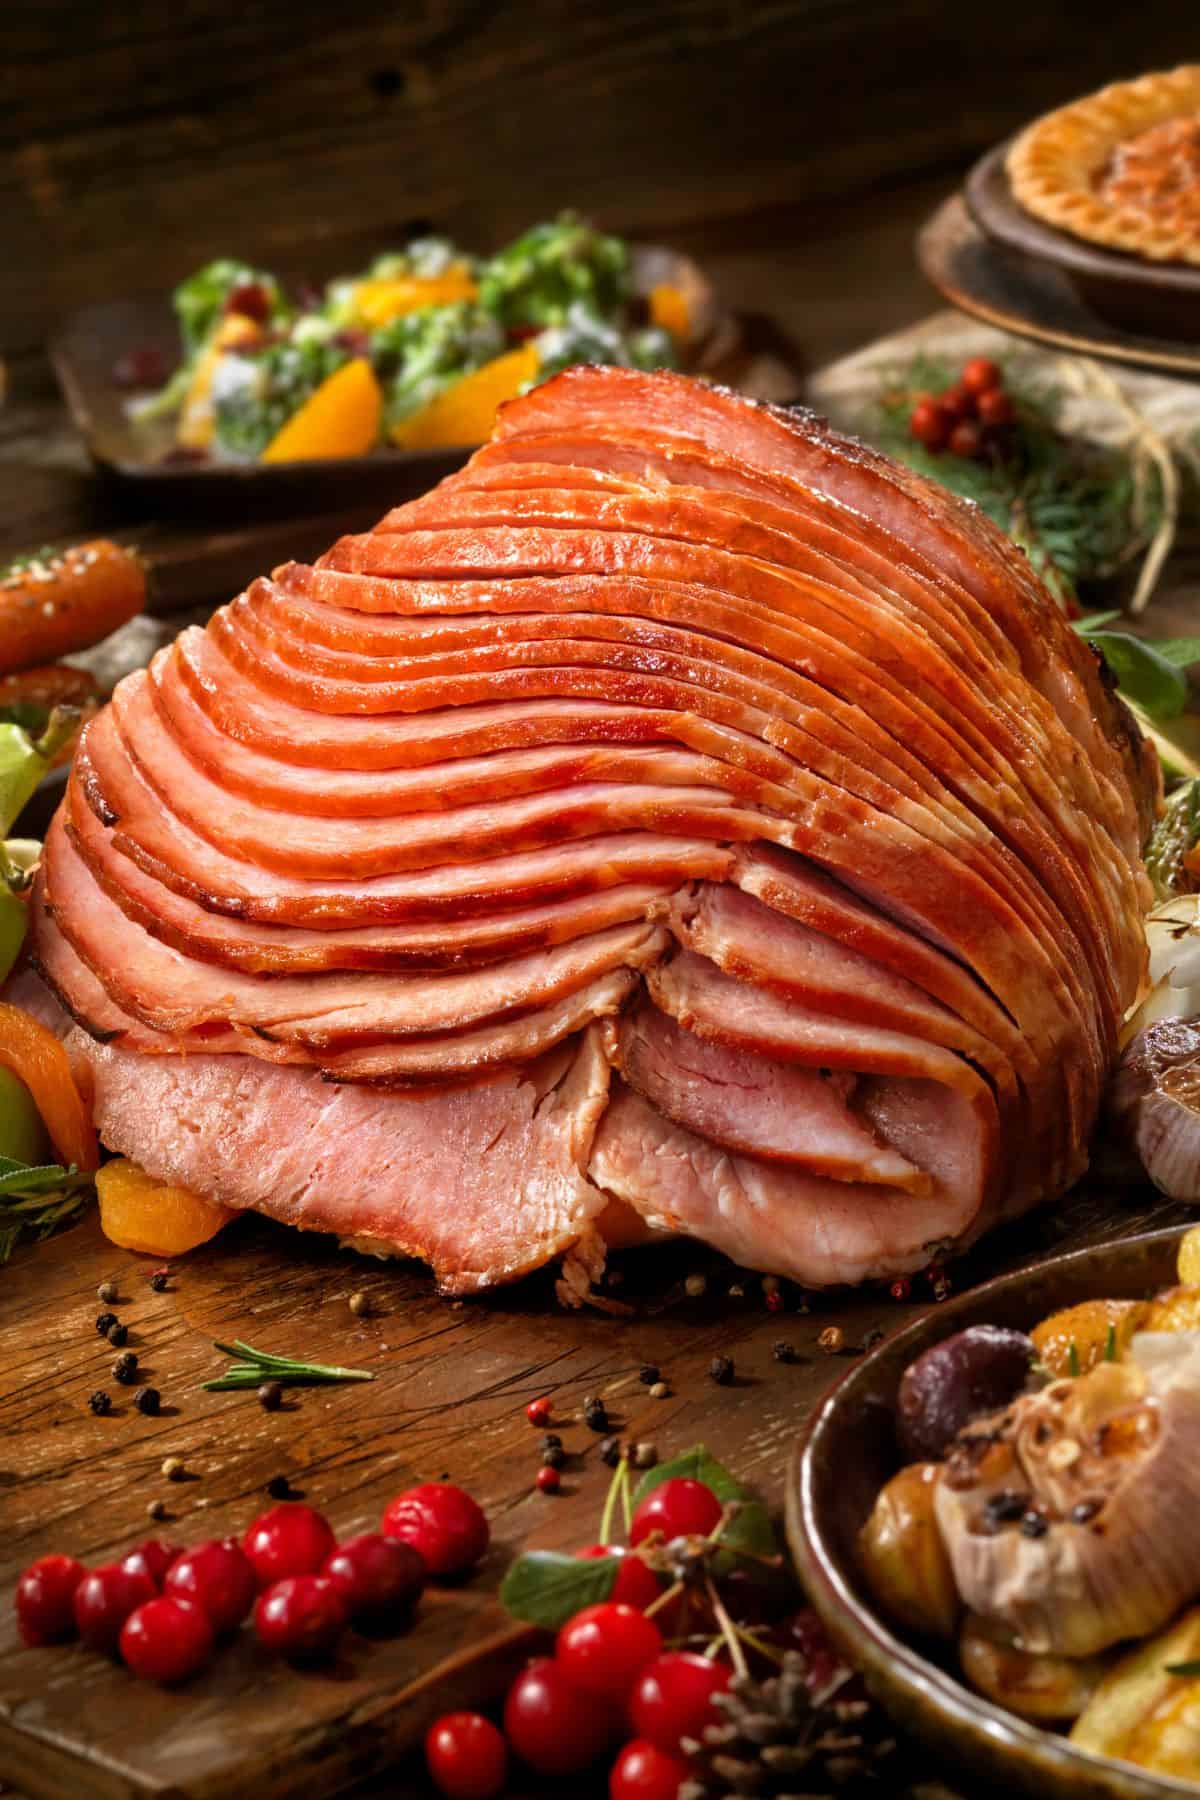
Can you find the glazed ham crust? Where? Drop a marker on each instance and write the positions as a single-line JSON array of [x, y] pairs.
[[680, 820]]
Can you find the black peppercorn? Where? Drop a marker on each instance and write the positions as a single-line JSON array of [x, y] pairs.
[[610, 1452], [1084, 1510], [1033, 1525], [595, 1415], [105, 1323], [648, 1374], [783, 1351], [1005, 1507], [100, 1402], [554, 1456], [158, 1280], [721, 1370], [118, 1334], [551, 1441], [107, 1291], [147, 1400], [125, 1369], [270, 1396], [279, 1487]]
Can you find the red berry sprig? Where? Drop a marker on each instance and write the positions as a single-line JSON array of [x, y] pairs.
[[969, 419]]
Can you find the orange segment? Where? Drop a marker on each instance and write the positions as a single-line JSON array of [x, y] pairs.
[[141, 1213], [375, 302], [197, 422], [669, 309], [34, 1055], [464, 413], [341, 418]]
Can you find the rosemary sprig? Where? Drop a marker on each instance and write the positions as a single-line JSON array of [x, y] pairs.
[[36, 1201], [251, 1367]]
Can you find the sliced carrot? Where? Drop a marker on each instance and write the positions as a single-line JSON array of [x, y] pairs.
[[375, 302], [36, 1057], [669, 309], [464, 413], [138, 1212], [197, 421], [341, 419], [66, 603]]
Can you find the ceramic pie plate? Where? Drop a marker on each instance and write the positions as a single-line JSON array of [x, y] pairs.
[[849, 1451]]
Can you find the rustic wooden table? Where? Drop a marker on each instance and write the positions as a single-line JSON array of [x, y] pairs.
[[452, 1378]]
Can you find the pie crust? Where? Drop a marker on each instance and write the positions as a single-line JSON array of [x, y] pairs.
[[1120, 168]]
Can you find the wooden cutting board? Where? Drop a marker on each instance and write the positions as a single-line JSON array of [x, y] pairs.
[[452, 1382]]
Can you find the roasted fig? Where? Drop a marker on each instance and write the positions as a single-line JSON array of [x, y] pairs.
[[903, 1556], [973, 1372]]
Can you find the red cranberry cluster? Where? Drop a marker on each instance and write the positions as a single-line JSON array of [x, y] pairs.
[[970, 418], [163, 1608], [610, 1687]]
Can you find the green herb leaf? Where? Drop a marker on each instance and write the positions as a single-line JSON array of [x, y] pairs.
[[749, 1532], [36, 1199], [1110, 1344], [1143, 673], [1072, 1358], [1190, 1669], [1173, 837], [252, 1367], [546, 1588]]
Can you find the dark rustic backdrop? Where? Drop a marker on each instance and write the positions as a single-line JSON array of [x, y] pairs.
[[141, 136]]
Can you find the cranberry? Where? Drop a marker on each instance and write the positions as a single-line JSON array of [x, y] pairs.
[[442, 1522], [45, 1599], [356, 342], [166, 1639], [104, 1600], [379, 1579], [218, 1578], [153, 1558], [251, 299], [980, 376], [676, 1508], [603, 1648], [672, 1698], [929, 424], [301, 1617], [538, 1411], [549, 1723], [996, 408], [144, 367], [957, 402], [965, 439], [466, 1757], [644, 1772], [636, 1584], [547, 1480], [288, 1540]]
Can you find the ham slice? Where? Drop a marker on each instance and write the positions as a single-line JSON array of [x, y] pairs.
[[678, 821]]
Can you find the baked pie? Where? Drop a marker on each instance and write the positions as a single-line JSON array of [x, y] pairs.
[[1120, 168]]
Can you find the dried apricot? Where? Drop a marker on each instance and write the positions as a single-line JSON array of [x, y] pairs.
[[138, 1212]]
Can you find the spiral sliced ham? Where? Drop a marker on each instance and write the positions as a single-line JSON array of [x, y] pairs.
[[681, 820]]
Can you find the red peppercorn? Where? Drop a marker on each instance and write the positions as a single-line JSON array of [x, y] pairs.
[[556, 1729], [929, 425], [166, 1640], [466, 1757], [547, 1480], [965, 439], [45, 1599], [152, 1558], [672, 1698], [442, 1523], [251, 299], [538, 1411], [644, 1772], [380, 1580], [104, 1600], [603, 1649], [774, 1301], [676, 1508], [636, 1583], [219, 1578], [301, 1617], [981, 375], [901, 1288], [288, 1540], [996, 408]]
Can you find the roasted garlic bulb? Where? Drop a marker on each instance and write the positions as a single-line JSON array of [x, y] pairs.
[[1069, 1518], [1143, 1713], [903, 1556], [1043, 1688]]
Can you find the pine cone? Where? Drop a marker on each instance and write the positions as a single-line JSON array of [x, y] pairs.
[[779, 1741]]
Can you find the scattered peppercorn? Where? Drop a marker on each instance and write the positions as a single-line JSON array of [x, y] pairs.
[[645, 1456], [595, 1414], [737, 1291], [553, 1456], [610, 1452], [270, 1396], [873, 1337], [695, 1286], [538, 1411], [174, 1468], [648, 1374], [770, 1284], [659, 1391], [783, 1352], [100, 1403], [360, 1305], [147, 1400], [117, 1335], [939, 1281], [1084, 1510], [1005, 1508], [159, 1279], [124, 1369], [901, 1288], [157, 1509], [279, 1487], [721, 1370], [832, 1339], [551, 1441], [775, 1301], [105, 1322], [548, 1480], [107, 1291], [1033, 1525]]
